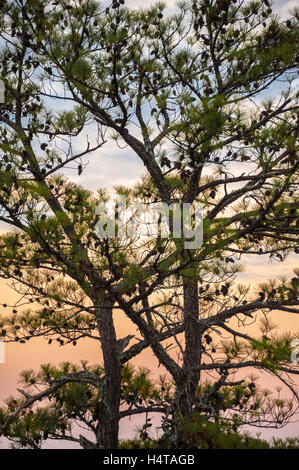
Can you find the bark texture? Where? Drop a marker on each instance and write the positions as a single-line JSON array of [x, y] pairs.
[[186, 388], [108, 414]]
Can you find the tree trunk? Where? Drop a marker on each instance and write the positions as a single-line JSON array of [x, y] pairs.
[[108, 415], [186, 388]]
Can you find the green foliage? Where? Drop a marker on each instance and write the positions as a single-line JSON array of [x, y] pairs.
[[176, 88], [201, 433], [272, 351]]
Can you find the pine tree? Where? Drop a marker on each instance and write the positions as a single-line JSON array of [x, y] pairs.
[[192, 83]]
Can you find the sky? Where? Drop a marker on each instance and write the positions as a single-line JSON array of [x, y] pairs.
[[108, 168]]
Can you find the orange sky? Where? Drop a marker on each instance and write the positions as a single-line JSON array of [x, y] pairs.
[[29, 356]]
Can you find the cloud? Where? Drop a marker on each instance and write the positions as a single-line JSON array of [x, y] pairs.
[[110, 168], [147, 3], [261, 268], [283, 7]]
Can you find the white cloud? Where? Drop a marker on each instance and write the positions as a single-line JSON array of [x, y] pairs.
[[109, 169], [147, 3]]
